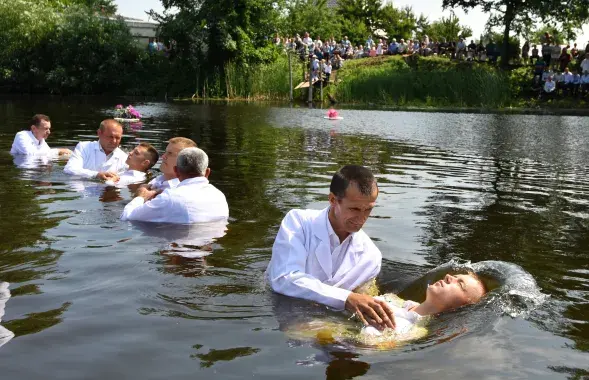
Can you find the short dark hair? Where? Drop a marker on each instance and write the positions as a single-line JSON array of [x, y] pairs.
[[150, 153], [361, 176], [38, 118]]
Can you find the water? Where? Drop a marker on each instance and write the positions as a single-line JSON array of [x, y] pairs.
[[93, 297]]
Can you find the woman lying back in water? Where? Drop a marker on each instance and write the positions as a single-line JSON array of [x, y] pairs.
[[449, 293]]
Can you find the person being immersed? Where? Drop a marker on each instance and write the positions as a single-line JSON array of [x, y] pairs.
[[449, 293], [32, 142], [101, 159], [139, 161], [194, 200]]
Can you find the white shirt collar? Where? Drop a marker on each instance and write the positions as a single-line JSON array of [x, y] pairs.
[[34, 138], [134, 173], [331, 233], [193, 181]]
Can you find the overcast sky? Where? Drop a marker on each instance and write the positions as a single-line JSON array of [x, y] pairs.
[[432, 9]]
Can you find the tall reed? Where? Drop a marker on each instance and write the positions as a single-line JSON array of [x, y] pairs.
[[422, 81]]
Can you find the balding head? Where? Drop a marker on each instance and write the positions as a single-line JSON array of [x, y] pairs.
[[192, 162], [110, 133]]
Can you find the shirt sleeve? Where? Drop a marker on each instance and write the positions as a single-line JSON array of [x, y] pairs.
[[154, 210], [75, 165], [287, 273]]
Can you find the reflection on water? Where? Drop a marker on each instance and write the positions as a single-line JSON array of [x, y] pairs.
[[106, 294]]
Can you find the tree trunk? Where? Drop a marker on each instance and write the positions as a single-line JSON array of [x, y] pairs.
[[509, 15]]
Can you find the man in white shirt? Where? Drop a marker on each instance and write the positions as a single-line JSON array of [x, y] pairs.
[[323, 255], [32, 142], [168, 177], [194, 200], [139, 161], [101, 159], [585, 63]]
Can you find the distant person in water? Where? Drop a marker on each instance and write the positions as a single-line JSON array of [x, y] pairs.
[[139, 161], [194, 200], [168, 178], [102, 159], [32, 142]]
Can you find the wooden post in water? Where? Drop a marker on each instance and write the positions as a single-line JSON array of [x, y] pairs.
[[289, 75], [321, 82], [310, 80]]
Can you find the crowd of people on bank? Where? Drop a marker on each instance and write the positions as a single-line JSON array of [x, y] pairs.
[[558, 70], [318, 255]]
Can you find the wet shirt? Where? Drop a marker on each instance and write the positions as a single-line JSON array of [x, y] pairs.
[[26, 143], [160, 183], [89, 158], [194, 200]]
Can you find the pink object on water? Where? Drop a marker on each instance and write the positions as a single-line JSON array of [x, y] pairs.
[[332, 113]]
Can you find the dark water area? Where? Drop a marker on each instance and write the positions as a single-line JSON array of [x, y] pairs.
[[94, 297]]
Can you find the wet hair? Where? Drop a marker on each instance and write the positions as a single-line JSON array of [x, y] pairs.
[[192, 162], [361, 176], [38, 118], [183, 142], [481, 283], [150, 154], [109, 122]]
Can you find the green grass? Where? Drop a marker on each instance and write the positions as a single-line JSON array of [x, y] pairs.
[[421, 82]]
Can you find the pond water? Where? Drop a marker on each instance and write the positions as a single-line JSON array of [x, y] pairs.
[[94, 297]]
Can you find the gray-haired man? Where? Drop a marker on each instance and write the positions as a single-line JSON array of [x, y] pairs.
[[194, 200]]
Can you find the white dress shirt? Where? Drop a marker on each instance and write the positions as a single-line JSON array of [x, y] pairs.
[[585, 65], [5, 334], [194, 200], [305, 264], [89, 158], [549, 86], [160, 183], [128, 177], [405, 318], [26, 143]]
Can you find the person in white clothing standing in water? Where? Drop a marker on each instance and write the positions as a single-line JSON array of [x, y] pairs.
[[102, 159], [32, 142], [323, 255]]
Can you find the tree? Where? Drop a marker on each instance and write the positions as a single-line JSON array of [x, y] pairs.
[[311, 16], [361, 18], [520, 15], [447, 28]]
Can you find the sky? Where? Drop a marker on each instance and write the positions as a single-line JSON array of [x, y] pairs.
[[475, 19]]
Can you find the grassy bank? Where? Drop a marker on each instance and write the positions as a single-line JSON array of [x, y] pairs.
[[422, 82]]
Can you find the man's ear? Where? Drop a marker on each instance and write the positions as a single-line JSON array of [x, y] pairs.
[[207, 172], [332, 199], [145, 164], [98, 132]]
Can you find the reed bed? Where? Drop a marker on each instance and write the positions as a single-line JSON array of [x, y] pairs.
[[422, 81], [261, 82]]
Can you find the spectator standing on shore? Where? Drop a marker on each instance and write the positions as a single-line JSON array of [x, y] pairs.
[[318, 42], [555, 52], [460, 48], [564, 59], [525, 52], [327, 71], [539, 67], [535, 55], [567, 80], [393, 47], [546, 53], [402, 48], [575, 51], [585, 63], [576, 83], [307, 40], [379, 48]]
